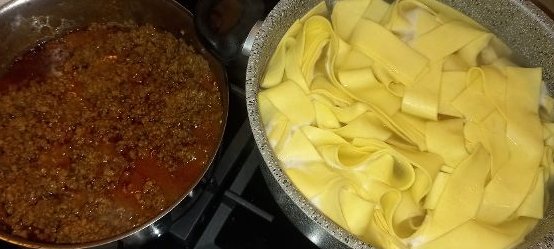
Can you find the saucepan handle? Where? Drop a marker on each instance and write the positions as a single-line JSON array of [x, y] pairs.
[[224, 25]]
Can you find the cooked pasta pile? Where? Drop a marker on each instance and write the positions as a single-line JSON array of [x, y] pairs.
[[409, 126]]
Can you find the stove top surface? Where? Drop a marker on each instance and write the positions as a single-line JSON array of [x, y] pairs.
[[232, 206]]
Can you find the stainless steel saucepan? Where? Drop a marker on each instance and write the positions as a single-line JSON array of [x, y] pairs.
[[25, 23]]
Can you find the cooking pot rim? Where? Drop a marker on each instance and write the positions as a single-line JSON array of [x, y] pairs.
[[286, 193]]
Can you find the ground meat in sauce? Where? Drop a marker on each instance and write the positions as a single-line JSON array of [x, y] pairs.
[[100, 130]]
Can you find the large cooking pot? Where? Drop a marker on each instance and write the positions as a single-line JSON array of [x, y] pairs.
[[24, 23], [523, 26]]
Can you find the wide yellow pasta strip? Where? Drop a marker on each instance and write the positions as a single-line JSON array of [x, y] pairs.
[[292, 102], [422, 98], [346, 15], [460, 198], [503, 236], [376, 10], [402, 62], [356, 210], [354, 59], [533, 204], [473, 102], [446, 13], [445, 138], [366, 125], [322, 86], [509, 186], [407, 216], [452, 84], [411, 19], [317, 34], [276, 64], [493, 138], [445, 40], [298, 149]]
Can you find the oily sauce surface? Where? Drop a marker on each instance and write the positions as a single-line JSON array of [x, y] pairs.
[[102, 129]]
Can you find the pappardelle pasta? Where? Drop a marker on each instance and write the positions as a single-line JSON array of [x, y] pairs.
[[408, 125]]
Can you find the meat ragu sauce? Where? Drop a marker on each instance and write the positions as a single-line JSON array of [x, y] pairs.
[[100, 130]]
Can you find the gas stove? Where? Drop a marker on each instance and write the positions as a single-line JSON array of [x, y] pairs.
[[231, 207]]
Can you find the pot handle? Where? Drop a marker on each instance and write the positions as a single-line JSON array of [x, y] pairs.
[[224, 25]]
